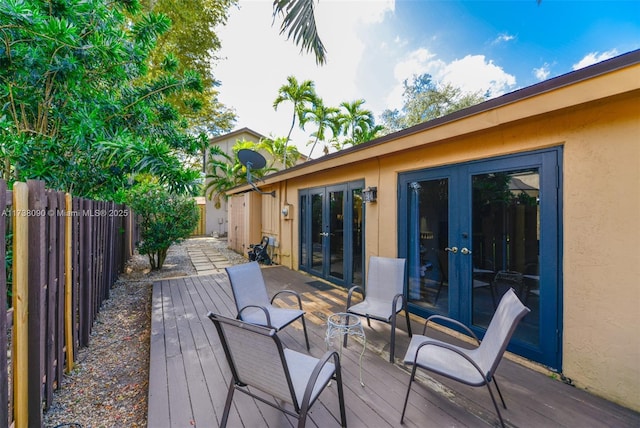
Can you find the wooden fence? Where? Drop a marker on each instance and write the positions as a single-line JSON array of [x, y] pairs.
[[67, 253]]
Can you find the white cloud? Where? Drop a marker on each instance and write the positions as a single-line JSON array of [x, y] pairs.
[[257, 60], [417, 62], [473, 73], [503, 38], [594, 57], [543, 72]]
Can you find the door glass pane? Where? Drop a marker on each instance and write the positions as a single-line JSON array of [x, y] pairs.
[[304, 232], [428, 238], [506, 236], [336, 234], [317, 234], [356, 236]]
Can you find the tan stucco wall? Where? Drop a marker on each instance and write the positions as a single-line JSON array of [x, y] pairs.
[[601, 262], [601, 226]]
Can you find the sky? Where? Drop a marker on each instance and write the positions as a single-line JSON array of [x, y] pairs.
[[373, 46]]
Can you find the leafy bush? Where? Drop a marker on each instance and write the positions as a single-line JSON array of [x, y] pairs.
[[8, 242], [164, 219]]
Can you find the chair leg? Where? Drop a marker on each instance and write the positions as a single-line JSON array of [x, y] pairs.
[[302, 418], [343, 413], [435, 302], [406, 398], [227, 404], [493, 296], [306, 336], [499, 393], [406, 312], [495, 404], [392, 351]]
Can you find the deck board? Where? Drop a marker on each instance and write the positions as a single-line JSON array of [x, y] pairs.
[[189, 376]]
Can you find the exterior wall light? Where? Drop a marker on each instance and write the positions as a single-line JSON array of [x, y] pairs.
[[370, 194]]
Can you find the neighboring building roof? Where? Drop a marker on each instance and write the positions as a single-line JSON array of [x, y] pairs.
[[245, 130], [235, 133], [559, 92]]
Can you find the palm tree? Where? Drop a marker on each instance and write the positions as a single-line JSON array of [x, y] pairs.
[[301, 95], [355, 121], [299, 23], [279, 151], [369, 134], [224, 174], [326, 118]]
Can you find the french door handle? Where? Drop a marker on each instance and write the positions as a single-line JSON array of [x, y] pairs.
[[452, 250], [465, 250]]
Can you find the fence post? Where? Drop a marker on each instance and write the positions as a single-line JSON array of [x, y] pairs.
[[68, 283], [37, 287], [20, 352], [4, 375]]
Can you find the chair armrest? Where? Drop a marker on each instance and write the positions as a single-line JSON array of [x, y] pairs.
[[454, 350], [316, 372], [452, 321], [395, 302], [288, 292], [266, 313], [351, 290]]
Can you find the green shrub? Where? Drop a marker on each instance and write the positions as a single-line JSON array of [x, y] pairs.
[[8, 261], [164, 219]]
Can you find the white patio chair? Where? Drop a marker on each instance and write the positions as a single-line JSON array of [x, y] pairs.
[[259, 361], [383, 296], [474, 367], [252, 300]]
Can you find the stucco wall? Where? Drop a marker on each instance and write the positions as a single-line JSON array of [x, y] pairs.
[[601, 231], [601, 261]]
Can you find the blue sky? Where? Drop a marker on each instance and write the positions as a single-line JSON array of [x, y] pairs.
[[374, 45]]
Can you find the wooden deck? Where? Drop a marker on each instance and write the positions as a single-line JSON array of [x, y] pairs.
[[188, 375]]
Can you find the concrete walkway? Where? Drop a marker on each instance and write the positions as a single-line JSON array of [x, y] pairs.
[[204, 255]]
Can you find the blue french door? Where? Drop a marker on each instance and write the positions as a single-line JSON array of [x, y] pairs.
[[472, 231], [331, 232]]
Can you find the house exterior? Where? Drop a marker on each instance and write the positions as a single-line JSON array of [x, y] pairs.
[[538, 190], [216, 218]]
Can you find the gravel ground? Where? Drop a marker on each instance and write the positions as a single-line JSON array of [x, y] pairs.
[[108, 386]]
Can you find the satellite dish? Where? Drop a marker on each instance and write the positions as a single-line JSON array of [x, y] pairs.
[[253, 160]]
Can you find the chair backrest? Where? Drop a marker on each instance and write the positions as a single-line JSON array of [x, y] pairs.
[[248, 285], [255, 356], [502, 326], [385, 278], [505, 279]]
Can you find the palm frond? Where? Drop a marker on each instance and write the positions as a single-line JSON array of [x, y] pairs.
[[299, 24]]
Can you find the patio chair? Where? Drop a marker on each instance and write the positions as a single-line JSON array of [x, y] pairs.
[[474, 367], [252, 300], [503, 281], [384, 296], [259, 361]]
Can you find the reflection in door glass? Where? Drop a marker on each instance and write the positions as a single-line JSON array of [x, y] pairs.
[[357, 215], [428, 238], [506, 236], [304, 234], [336, 234], [317, 234]]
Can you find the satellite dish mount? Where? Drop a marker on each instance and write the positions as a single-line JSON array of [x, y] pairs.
[[253, 160]]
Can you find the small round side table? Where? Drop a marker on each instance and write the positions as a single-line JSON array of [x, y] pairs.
[[341, 324]]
